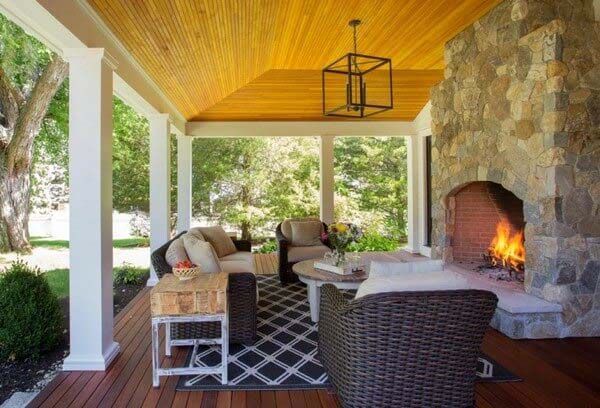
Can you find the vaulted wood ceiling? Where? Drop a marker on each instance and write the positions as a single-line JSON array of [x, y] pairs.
[[261, 59]]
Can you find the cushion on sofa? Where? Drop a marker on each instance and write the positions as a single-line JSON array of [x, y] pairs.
[[239, 256], [406, 269], [435, 280], [237, 266], [195, 231], [297, 254], [176, 252], [201, 253], [306, 233], [286, 226], [219, 240]]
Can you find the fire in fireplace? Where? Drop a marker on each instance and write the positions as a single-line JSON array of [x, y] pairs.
[[506, 252]]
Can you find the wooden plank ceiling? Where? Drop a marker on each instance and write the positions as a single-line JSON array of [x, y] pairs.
[[261, 59]]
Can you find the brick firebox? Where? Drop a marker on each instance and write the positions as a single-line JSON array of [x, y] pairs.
[[478, 207]]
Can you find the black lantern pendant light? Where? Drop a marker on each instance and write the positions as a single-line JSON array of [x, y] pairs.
[[357, 85]]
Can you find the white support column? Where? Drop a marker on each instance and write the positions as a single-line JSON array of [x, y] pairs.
[[90, 199], [326, 158], [412, 167], [160, 185], [184, 182]]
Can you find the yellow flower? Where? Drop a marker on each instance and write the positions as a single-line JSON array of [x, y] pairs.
[[342, 227]]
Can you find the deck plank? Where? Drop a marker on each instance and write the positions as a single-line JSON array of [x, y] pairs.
[[555, 373]]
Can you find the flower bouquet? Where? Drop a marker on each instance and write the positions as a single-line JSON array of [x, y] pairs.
[[341, 235]]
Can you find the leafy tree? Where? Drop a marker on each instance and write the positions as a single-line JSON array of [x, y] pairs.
[[30, 76], [371, 183], [253, 183]]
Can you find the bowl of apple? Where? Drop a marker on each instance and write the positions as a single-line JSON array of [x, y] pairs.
[[186, 270]]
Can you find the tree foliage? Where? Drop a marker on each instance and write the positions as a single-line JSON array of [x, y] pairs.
[[371, 183], [252, 183]]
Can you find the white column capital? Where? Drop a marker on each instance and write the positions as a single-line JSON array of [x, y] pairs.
[[159, 117], [100, 54]]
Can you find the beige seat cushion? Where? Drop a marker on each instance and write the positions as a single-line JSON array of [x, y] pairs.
[[306, 233], [286, 226], [239, 256], [201, 253], [237, 266], [176, 252], [219, 240], [297, 254]]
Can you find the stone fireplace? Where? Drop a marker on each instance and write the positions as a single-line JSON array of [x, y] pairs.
[[519, 109]]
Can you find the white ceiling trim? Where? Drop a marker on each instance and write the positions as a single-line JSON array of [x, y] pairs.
[[299, 128]]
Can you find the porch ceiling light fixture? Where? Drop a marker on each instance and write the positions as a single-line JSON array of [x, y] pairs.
[[344, 84]]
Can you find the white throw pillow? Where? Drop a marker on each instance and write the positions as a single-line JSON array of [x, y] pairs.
[[201, 253], [436, 280], [406, 269], [176, 252]]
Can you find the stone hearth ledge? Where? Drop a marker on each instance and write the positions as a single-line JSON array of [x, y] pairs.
[[510, 299]]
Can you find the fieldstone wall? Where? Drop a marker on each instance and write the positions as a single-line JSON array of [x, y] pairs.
[[520, 106]]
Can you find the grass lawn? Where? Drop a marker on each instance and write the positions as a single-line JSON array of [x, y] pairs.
[[136, 242], [58, 279]]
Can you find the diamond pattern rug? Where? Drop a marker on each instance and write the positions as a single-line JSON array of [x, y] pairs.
[[285, 354]]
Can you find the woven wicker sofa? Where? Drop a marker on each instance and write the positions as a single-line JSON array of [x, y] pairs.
[[242, 302], [404, 349]]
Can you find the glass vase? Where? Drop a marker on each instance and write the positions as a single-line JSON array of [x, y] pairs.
[[339, 257]]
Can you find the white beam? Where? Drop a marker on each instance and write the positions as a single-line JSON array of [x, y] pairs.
[[184, 182], [423, 129], [64, 24], [160, 185], [412, 164], [90, 197], [326, 167], [300, 128]]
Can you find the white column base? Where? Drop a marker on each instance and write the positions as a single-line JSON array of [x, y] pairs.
[[153, 279], [91, 363], [411, 250]]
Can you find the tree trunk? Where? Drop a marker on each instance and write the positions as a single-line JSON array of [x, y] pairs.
[[246, 234], [14, 211], [23, 118]]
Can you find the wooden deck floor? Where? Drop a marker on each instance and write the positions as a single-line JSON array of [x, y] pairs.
[[556, 373]]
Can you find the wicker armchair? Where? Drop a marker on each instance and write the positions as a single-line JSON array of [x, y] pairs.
[[242, 303], [286, 275], [404, 349]]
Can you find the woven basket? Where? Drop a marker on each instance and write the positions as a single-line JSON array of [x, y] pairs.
[[187, 273]]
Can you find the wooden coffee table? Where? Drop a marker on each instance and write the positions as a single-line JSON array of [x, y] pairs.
[[315, 278]]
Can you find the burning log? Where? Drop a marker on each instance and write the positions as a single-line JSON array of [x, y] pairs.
[[506, 252]]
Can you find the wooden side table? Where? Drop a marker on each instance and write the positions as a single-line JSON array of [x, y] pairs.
[[202, 299]]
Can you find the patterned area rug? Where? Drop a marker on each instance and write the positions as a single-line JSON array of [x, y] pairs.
[[285, 354]]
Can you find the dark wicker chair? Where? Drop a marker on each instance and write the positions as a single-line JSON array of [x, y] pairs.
[[242, 303], [404, 349], [286, 275]]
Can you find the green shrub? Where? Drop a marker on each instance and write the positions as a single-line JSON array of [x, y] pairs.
[[268, 247], [128, 275], [30, 315], [374, 242]]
